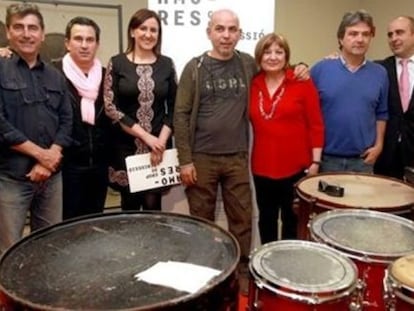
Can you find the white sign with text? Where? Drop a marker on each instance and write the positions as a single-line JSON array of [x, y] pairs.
[[143, 176]]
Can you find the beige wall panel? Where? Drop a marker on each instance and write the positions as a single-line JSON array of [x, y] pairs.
[[310, 26], [384, 11]]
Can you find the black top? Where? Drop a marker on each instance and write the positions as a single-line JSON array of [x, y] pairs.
[[137, 93]]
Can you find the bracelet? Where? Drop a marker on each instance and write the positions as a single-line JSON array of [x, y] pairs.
[[316, 162]]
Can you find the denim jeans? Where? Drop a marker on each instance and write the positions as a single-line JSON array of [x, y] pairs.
[[232, 173], [43, 200], [340, 164]]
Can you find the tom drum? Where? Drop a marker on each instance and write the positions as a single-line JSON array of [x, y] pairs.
[[399, 285], [301, 276], [371, 239]]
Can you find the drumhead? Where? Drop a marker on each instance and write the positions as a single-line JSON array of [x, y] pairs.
[[303, 267], [90, 264], [371, 235], [360, 191], [402, 270]]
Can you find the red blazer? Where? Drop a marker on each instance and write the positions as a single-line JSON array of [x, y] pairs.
[[282, 144]]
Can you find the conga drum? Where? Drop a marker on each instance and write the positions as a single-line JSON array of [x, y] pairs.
[[399, 285], [362, 191], [92, 263], [371, 239], [301, 276]]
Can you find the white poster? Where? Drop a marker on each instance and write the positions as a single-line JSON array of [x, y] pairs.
[[143, 176], [184, 25]]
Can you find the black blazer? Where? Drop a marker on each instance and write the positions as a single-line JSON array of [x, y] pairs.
[[399, 123]]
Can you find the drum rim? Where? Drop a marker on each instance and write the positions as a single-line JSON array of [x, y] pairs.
[[362, 255], [329, 205], [314, 293], [222, 277]]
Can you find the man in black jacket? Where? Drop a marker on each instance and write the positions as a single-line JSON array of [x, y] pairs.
[[398, 149], [35, 124], [85, 167]]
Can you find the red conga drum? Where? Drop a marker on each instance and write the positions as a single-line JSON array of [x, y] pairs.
[[301, 276], [362, 191], [91, 264], [399, 285], [371, 239]]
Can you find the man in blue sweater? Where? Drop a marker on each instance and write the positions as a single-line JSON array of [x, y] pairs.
[[353, 93]]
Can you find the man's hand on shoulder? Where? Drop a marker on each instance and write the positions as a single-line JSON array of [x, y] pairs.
[[5, 52], [301, 72]]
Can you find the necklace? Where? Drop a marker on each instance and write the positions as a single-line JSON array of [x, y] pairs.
[[263, 113]]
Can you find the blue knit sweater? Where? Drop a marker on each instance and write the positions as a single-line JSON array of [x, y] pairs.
[[352, 103]]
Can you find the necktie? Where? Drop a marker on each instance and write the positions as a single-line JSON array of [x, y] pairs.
[[404, 85]]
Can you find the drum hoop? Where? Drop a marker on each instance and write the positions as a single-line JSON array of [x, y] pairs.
[[364, 256], [311, 299], [329, 205], [183, 299]]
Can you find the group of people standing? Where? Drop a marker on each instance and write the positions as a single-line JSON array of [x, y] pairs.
[[64, 138], [67, 127]]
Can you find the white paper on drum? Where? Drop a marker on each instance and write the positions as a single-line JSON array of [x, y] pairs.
[[181, 276]]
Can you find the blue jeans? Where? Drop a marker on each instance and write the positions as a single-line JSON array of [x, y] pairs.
[[43, 200], [340, 164]]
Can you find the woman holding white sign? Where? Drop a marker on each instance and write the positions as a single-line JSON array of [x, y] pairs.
[[140, 87]]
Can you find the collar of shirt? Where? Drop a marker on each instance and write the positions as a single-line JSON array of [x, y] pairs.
[[410, 70], [343, 61], [17, 59]]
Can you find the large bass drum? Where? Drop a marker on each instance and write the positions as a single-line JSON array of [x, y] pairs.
[[91, 263]]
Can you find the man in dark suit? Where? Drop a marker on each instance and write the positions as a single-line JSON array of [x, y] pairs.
[[398, 149]]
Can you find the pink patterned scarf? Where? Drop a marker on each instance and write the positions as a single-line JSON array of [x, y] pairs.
[[87, 86]]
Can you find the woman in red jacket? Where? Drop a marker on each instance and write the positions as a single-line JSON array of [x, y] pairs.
[[288, 135]]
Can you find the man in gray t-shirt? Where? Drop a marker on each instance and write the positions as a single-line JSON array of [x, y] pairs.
[[211, 131], [222, 115]]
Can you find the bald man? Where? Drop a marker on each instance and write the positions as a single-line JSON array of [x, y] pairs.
[[398, 149]]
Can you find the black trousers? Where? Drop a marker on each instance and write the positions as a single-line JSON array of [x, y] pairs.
[[144, 200], [84, 190], [273, 195], [394, 168]]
